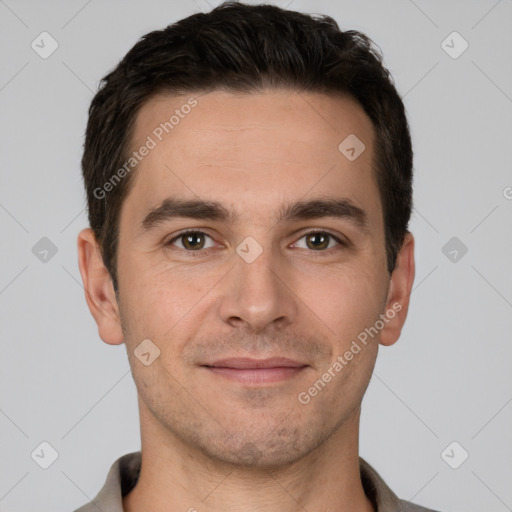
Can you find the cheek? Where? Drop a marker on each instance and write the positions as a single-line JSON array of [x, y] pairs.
[[162, 300], [346, 299]]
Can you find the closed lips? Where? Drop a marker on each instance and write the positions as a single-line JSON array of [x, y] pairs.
[[251, 364]]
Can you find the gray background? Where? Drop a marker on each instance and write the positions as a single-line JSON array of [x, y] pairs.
[[447, 379]]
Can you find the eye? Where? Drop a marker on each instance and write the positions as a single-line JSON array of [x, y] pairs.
[[320, 240], [191, 240], [194, 241]]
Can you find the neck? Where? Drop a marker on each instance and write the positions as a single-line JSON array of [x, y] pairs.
[[177, 476]]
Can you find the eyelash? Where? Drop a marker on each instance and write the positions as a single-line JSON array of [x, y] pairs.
[[201, 252]]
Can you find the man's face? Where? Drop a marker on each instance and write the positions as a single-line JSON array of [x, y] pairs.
[[210, 295]]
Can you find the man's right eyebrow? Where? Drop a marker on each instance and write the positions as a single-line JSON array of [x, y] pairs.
[[172, 208]]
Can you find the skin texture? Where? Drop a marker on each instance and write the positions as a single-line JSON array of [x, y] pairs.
[[210, 443]]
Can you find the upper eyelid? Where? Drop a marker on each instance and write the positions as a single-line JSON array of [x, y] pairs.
[[339, 238]]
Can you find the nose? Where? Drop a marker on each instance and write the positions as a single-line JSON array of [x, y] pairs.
[[259, 293]]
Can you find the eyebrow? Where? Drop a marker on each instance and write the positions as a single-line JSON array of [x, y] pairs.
[[171, 208]]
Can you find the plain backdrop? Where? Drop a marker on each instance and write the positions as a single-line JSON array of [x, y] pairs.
[[448, 378]]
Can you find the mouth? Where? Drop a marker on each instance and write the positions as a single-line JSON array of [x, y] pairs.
[[256, 371]]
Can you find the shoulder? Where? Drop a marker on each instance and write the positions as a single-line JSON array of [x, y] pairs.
[[407, 506]]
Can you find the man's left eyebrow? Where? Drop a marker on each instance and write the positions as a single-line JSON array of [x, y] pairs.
[[340, 208], [171, 208]]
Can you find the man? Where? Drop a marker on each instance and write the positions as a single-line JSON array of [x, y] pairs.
[[249, 182]]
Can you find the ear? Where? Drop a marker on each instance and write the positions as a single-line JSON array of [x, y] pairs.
[[399, 292], [99, 289]]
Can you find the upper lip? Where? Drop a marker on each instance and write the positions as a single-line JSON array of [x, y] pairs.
[[243, 363]]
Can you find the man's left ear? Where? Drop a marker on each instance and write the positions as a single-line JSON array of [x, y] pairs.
[[400, 287]]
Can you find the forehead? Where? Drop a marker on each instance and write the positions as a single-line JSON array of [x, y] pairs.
[[255, 150]]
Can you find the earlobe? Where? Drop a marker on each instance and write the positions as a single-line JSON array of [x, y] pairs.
[[99, 290], [399, 292]]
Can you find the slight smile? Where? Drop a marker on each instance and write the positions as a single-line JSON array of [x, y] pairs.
[[256, 371]]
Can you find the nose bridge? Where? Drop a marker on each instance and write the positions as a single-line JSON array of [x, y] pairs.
[[257, 292]]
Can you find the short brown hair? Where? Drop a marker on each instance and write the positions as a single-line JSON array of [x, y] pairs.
[[246, 48]]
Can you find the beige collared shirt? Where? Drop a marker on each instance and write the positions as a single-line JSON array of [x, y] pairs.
[[124, 473]]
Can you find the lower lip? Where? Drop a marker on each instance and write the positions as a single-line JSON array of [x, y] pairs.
[[257, 375]]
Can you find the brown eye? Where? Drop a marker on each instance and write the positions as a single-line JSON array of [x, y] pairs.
[[193, 241], [317, 240], [190, 240], [320, 241]]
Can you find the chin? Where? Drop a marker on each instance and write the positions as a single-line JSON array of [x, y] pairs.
[[271, 450]]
